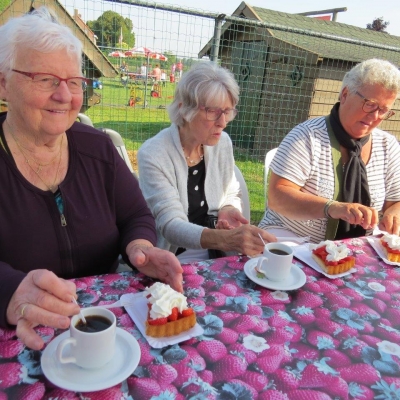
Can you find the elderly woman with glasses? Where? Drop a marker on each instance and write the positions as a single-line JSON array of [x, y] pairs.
[[338, 176], [69, 204], [186, 171]]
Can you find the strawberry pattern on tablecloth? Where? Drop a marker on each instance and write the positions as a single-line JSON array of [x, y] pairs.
[[331, 339]]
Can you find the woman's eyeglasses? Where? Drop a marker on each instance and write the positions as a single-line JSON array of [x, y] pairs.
[[48, 82], [371, 106], [214, 113]]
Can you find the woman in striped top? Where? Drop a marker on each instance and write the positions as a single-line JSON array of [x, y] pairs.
[[302, 183]]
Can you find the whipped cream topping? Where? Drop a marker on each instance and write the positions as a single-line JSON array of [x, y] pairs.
[[393, 241], [335, 252], [163, 299]]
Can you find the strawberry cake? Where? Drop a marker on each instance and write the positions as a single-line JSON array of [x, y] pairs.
[[168, 313], [333, 258], [391, 246]]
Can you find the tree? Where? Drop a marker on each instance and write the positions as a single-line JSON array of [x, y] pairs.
[[378, 24], [108, 30]]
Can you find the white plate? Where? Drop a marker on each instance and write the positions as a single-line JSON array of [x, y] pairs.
[[289, 243], [378, 247], [77, 379], [304, 254], [292, 242], [296, 279], [136, 306]]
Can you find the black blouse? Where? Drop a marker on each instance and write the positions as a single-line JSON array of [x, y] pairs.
[[198, 207]]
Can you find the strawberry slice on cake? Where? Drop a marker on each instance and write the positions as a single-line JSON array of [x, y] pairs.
[[168, 313], [333, 258], [391, 246]]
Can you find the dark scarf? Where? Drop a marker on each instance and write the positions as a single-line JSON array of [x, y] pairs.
[[355, 187]]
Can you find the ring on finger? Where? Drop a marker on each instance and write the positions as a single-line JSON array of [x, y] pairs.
[[23, 309]]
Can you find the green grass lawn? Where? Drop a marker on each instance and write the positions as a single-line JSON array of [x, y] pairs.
[[144, 120]]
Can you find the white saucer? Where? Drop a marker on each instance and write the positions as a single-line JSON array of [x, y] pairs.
[[77, 379], [296, 279]]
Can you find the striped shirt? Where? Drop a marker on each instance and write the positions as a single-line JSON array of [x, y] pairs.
[[304, 157]]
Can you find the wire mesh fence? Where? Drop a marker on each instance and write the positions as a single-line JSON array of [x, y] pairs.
[[289, 68]]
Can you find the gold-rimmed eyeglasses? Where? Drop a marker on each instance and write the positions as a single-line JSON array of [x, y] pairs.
[[214, 113], [48, 82], [370, 106]]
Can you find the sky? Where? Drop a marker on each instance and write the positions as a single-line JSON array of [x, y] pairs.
[[359, 12], [163, 32]]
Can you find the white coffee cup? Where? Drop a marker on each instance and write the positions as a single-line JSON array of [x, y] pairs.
[[89, 349], [276, 261]]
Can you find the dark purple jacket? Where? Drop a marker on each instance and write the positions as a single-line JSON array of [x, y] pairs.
[[104, 210]]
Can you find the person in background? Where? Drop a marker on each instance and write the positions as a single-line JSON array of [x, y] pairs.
[[302, 183], [163, 77], [124, 79], [156, 73], [143, 71], [179, 69], [69, 204], [186, 172], [123, 68]]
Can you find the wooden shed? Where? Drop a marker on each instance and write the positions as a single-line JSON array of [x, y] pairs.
[[96, 63], [292, 72]]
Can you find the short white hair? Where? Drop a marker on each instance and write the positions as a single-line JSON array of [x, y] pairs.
[[371, 72], [38, 30]]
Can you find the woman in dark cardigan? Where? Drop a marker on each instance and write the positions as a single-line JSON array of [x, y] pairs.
[[69, 204]]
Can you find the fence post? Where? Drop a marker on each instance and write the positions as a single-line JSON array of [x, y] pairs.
[[217, 37]]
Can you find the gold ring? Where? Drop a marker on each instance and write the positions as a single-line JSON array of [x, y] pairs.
[[23, 309]]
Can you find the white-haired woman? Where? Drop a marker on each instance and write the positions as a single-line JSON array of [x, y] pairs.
[[69, 204], [186, 171], [302, 185]]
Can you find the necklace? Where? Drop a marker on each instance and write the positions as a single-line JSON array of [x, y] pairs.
[[193, 162], [52, 187], [27, 158]]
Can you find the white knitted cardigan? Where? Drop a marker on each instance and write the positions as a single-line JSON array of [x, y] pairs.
[[163, 176]]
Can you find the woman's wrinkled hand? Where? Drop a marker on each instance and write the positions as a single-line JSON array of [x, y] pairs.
[[354, 214], [246, 240], [230, 217], [41, 299], [223, 224], [157, 263], [390, 223]]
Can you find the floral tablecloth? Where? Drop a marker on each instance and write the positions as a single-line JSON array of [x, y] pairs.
[[331, 339]]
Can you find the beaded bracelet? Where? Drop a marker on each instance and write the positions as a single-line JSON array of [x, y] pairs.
[[326, 208]]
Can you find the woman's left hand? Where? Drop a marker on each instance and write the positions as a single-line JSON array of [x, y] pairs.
[[156, 263], [230, 217], [390, 221]]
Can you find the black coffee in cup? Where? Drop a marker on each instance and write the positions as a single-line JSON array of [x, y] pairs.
[[278, 252], [94, 323]]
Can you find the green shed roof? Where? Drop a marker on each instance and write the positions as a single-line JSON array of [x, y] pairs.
[[330, 48]]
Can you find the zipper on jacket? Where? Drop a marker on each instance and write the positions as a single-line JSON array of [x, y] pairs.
[[63, 220], [66, 236]]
